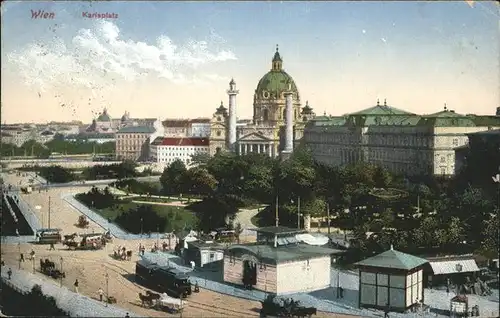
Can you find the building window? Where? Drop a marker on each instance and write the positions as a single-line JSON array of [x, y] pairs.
[[443, 159], [455, 141], [212, 256], [219, 133]]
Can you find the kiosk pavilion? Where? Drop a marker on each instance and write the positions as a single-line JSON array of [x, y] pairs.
[[391, 280], [278, 263]]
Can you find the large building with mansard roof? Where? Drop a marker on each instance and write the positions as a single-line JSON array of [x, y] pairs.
[[265, 132], [401, 141]]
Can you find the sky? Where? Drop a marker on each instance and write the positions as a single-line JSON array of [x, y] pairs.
[[175, 59]]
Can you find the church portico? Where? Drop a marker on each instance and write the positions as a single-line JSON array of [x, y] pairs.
[[247, 147]]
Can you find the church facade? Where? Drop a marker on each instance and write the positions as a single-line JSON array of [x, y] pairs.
[[266, 131]]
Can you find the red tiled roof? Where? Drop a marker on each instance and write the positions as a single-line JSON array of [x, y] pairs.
[[181, 142]]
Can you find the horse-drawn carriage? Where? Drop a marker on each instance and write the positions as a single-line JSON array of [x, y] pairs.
[[271, 306], [84, 242], [48, 268], [162, 302], [83, 222]]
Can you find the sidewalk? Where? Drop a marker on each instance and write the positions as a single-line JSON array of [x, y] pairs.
[[75, 304]]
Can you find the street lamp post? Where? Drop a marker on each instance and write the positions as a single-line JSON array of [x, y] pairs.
[[496, 179], [19, 249], [62, 271], [298, 213], [107, 287], [158, 237], [141, 227]]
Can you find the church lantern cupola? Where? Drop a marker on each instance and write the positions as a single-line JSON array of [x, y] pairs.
[[277, 64]]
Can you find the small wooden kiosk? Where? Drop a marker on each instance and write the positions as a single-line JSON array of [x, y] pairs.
[[391, 281]]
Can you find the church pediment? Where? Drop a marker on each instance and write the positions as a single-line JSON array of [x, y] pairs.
[[254, 137]]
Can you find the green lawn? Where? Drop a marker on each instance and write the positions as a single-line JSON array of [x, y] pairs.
[[177, 216]]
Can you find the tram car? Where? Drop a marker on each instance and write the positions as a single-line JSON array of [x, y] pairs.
[[48, 236], [165, 279]]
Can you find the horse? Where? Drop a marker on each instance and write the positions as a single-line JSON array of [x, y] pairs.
[[145, 299], [152, 296]]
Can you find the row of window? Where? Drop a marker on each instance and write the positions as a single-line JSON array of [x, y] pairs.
[[170, 160], [164, 148], [131, 136]]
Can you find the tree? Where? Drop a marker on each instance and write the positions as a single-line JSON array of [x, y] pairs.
[[57, 174], [455, 232], [259, 183], [238, 229], [472, 207], [381, 177], [172, 177], [142, 219], [315, 207], [429, 233], [200, 159], [491, 239], [199, 181]]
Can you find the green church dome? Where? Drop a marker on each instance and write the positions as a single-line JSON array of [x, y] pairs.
[[276, 81], [104, 116]]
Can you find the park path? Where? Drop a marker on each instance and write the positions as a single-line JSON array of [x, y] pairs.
[[244, 217], [173, 203]]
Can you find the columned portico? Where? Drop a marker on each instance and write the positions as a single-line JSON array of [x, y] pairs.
[[255, 147]]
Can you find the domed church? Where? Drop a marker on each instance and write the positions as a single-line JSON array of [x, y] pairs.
[[265, 133]]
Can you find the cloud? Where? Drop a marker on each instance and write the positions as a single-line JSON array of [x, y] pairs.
[[97, 57]]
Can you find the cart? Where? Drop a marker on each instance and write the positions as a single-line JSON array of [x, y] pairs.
[[170, 304]]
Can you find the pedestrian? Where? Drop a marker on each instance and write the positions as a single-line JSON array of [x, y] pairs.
[[101, 293], [9, 273], [447, 289], [32, 254], [127, 316], [386, 311], [76, 286], [193, 264], [52, 248], [21, 259], [143, 249], [341, 292]]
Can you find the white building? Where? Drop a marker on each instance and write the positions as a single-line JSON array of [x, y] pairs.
[[278, 263], [400, 141], [165, 150], [17, 135]]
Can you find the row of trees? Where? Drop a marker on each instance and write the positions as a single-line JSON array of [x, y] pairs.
[[137, 187], [59, 174], [57, 145], [425, 212]]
